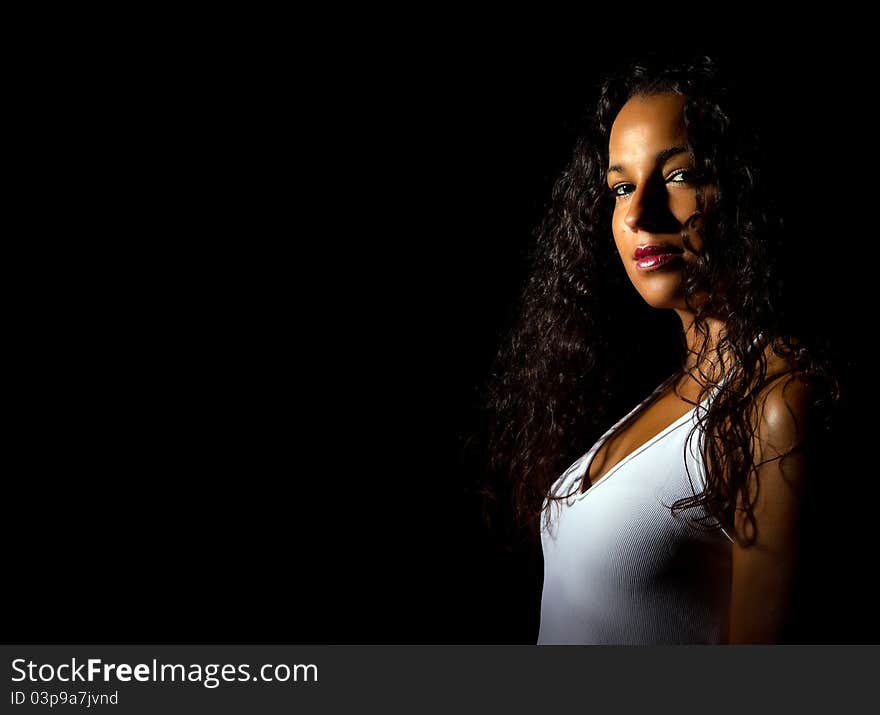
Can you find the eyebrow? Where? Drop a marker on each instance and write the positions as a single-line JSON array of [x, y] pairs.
[[662, 158]]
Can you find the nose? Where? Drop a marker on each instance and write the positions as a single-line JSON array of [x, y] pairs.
[[648, 209], [635, 209]]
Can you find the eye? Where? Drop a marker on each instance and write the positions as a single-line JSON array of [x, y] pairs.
[[618, 191], [682, 176]]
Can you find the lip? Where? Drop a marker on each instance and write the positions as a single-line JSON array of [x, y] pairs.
[[655, 255]]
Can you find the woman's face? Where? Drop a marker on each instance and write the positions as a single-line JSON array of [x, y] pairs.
[[650, 174]]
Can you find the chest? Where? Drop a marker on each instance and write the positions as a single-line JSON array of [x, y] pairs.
[[644, 426]]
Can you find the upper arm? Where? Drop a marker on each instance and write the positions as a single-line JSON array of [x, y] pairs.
[[764, 571]]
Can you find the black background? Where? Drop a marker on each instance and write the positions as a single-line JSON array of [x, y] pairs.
[[265, 273]]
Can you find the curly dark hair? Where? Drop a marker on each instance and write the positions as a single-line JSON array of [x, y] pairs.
[[564, 372]]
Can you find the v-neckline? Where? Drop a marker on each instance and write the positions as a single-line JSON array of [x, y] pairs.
[[643, 405], [647, 402], [632, 455]]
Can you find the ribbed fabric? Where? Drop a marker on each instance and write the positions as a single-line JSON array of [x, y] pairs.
[[618, 567]]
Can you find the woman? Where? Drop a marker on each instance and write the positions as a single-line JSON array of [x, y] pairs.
[[681, 523]]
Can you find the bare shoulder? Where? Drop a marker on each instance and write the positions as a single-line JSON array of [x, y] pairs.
[[768, 545], [782, 405]]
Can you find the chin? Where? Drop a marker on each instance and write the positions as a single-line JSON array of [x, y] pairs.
[[662, 292], [667, 303]]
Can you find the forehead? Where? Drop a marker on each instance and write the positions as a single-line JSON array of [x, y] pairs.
[[646, 124]]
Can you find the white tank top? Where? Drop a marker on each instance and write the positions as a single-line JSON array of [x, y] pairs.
[[618, 567]]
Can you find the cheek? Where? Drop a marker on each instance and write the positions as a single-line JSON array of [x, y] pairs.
[[683, 205], [617, 229]]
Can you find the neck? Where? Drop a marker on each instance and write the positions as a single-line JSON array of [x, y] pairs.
[[708, 364]]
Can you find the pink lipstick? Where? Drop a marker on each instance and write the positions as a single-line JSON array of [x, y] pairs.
[[648, 258]]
